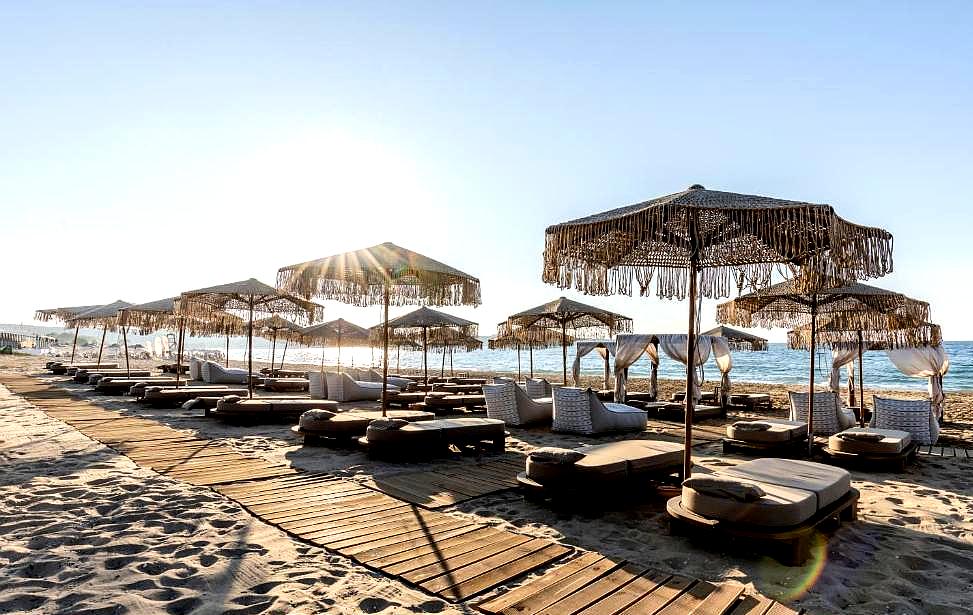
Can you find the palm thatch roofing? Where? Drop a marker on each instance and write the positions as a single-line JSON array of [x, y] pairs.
[[738, 340], [586, 321], [897, 334], [278, 328], [246, 295], [333, 333], [450, 340], [848, 308], [104, 315], [429, 322], [161, 314], [735, 239], [528, 337], [361, 278], [61, 313]]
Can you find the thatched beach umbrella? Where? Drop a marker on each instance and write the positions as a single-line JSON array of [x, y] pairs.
[[738, 340], [529, 337], [275, 327], [251, 297], [584, 321], [64, 314], [106, 316], [333, 334], [161, 314], [849, 308], [897, 333], [425, 326], [700, 242], [448, 340], [385, 274]]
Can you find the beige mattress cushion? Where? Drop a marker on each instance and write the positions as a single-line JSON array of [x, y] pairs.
[[243, 405], [641, 455], [893, 442], [293, 405], [413, 434], [601, 465], [781, 430], [780, 506], [548, 472], [828, 483], [471, 427]]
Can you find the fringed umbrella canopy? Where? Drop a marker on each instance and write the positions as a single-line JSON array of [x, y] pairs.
[[421, 325], [702, 242], [161, 314], [252, 297], [386, 274], [584, 321], [517, 338], [334, 334], [847, 309], [362, 277], [449, 340], [275, 327], [106, 316], [62, 313], [738, 340]]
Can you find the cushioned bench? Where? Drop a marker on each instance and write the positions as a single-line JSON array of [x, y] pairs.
[[319, 428], [582, 475], [172, 397], [445, 402], [771, 437], [286, 385], [233, 408], [428, 438], [95, 377], [886, 448], [751, 401], [63, 368], [776, 504], [82, 376], [113, 385]]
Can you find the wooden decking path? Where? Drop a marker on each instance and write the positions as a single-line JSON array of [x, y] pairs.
[[449, 485], [451, 557]]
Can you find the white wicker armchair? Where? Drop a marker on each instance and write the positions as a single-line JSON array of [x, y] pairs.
[[830, 416], [912, 415], [580, 411]]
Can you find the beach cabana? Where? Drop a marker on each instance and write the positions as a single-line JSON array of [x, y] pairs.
[[517, 338], [425, 326], [738, 340], [64, 314], [603, 348], [334, 334], [107, 317], [563, 314], [385, 274], [848, 307], [701, 243], [250, 297]]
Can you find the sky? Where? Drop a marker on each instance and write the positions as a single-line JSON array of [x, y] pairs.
[[154, 147]]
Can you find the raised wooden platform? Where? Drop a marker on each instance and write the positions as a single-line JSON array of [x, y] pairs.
[[448, 485]]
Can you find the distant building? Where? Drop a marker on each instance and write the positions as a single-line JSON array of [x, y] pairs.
[[19, 341]]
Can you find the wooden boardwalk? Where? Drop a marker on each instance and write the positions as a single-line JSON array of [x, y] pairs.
[[451, 484], [451, 557]]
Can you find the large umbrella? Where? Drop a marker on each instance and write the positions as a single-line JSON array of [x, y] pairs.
[[738, 340], [849, 307], [530, 337], [106, 316], [275, 326], [384, 274], [251, 297], [64, 314], [584, 321], [426, 326], [448, 340], [698, 242], [161, 314], [898, 333], [334, 334]]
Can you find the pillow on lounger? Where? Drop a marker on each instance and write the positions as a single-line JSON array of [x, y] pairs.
[[553, 454], [314, 420], [861, 435], [231, 399], [720, 487], [387, 424], [751, 426]]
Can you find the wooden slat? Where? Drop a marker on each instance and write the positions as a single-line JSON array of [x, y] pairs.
[[660, 597], [536, 586], [628, 594], [494, 572], [720, 600], [595, 591]]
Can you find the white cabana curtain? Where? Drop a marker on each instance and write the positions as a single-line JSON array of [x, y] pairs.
[[851, 385], [841, 356], [724, 361], [930, 362], [628, 349], [602, 347], [675, 348]]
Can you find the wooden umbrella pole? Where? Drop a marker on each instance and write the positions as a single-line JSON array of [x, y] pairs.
[[519, 377], [284, 354], [128, 368], [564, 354], [398, 350], [861, 376], [810, 394], [607, 377], [250, 352], [425, 355], [180, 343], [273, 353], [442, 370], [74, 344], [531, 347], [227, 350], [687, 459], [339, 347], [385, 351], [104, 331]]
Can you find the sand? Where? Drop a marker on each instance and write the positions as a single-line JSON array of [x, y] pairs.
[[81, 523]]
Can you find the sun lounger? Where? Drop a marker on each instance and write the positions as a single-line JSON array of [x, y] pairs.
[[172, 397], [286, 385], [284, 373], [444, 403], [506, 401], [767, 437], [704, 397], [404, 400], [214, 373], [676, 411], [170, 368], [580, 411], [428, 438], [233, 408], [342, 388], [768, 505], [752, 401], [63, 368], [320, 428], [588, 475], [113, 385], [92, 376], [878, 448]]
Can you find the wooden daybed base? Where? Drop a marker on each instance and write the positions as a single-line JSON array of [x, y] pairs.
[[893, 462]]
